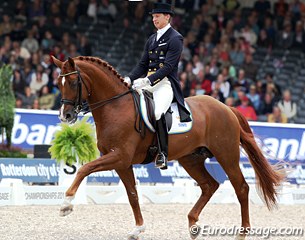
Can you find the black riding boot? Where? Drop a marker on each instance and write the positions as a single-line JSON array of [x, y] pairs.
[[162, 135]]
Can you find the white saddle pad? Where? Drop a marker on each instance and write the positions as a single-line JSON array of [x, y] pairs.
[[177, 126]]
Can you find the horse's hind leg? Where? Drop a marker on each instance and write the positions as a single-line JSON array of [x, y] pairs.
[[127, 177], [230, 164], [194, 165]]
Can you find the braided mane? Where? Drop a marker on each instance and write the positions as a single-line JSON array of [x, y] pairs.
[[101, 63]]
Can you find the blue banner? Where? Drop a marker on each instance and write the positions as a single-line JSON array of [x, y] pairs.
[[283, 141], [47, 171]]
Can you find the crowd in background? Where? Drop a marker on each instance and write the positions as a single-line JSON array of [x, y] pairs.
[[217, 58]]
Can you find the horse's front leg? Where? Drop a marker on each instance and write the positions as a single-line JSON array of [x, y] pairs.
[[127, 177], [110, 161]]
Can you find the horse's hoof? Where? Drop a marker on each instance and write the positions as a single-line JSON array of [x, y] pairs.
[[134, 234], [65, 210]]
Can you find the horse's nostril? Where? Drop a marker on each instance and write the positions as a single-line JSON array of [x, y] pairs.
[[68, 116]]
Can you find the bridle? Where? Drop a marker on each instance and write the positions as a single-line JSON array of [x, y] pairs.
[[78, 104]]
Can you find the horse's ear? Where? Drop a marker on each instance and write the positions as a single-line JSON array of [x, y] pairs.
[[71, 61], [57, 62]]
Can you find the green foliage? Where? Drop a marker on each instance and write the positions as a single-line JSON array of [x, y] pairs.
[[78, 139], [12, 152], [7, 99]]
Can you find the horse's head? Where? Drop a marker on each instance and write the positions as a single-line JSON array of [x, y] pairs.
[[73, 88]]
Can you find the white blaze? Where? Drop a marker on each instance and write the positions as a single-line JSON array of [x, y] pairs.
[[63, 81]]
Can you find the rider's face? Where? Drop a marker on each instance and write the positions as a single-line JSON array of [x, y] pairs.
[[160, 20]]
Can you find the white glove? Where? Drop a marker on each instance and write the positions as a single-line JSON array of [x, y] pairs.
[[140, 83], [127, 80]]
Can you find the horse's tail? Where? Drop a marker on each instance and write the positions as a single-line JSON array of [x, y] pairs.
[[267, 177]]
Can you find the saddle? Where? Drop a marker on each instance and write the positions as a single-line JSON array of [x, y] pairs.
[[174, 126]]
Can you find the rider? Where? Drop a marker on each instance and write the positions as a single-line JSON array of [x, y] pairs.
[[159, 65]]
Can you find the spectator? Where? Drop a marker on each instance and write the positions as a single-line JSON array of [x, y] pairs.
[[296, 7], [249, 35], [19, 82], [20, 10], [237, 56], [217, 94], [269, 80], [19, 103], [46, 100], [263, 40], [109, 10], [277, 116], [254, 97], [92, 9], [285, 37], [27, 98], [229, 102], [250, 68], [246, 110], [270, 29], [262, 6], [30, 43], [242, 81], [84, 47], [72, 13], [48, 41], [222, 85], [205, 84], [299, 36], [185, 84], [207, 73], [266, 106], [18, 33], [220, 19], [20, 52], [73, 51], [36, 10], [230, 6], [5, 26], [280, 10], [287, 106], [36, 104], [38, 80]]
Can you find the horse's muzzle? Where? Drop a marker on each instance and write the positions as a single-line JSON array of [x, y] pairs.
[[68, 116]]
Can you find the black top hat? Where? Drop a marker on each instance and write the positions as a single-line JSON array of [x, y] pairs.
[[162, 8]]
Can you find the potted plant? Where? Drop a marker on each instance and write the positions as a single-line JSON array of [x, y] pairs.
[[73, 146], [7, 104]]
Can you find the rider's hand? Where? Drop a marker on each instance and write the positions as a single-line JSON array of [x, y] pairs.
[[140, 83], [127, 80]]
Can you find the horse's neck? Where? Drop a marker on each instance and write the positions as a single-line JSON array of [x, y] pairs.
[[105, 85]]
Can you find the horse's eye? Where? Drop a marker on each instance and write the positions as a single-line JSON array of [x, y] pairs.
[[73, 84]]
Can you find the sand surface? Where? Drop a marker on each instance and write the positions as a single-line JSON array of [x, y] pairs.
[[114, 221]]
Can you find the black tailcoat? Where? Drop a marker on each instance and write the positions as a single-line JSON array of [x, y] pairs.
[[159, 60]]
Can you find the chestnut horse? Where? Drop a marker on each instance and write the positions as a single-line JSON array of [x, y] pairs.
[[217, 129]]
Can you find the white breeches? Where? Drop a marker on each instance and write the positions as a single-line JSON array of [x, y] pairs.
[[163, 96]]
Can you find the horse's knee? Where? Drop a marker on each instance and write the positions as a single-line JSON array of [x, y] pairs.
[[209, 188]]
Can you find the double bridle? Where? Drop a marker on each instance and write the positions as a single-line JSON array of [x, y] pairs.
[[78, 104]]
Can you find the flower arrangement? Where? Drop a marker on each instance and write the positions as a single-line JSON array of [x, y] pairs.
[[74, 143]]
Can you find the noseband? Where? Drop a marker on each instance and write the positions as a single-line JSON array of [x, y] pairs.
[[78, 104]]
